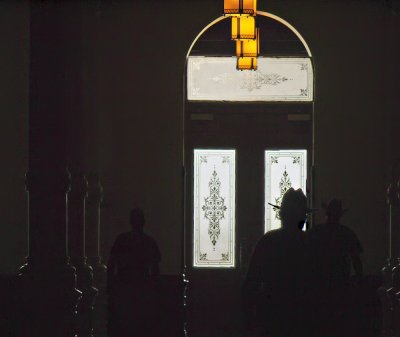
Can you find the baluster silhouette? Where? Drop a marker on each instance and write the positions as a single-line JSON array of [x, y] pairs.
[[76, 240], [390, 273], [93, 249]]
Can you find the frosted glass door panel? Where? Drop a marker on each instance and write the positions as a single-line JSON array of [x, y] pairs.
[[283, 169], [214, 208]]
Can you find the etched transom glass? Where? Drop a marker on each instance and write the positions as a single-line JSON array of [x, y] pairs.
[[214, 208], [283, 169], [279, 79]]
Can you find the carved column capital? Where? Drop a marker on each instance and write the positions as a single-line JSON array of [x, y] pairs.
[[398, 190], [94, 189], [79, 187], [392, 194]]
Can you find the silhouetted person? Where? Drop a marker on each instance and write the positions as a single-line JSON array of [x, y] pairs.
[[335, 249], [131, 281], [275, 290]]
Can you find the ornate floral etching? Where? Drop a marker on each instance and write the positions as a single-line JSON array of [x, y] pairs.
[[203, 257], [277, 79], [195, 91], [196, 64], [255, 80], [222, 78], [214, 208], [251, 80], [283, 169], [284, 185], [296, 160], [225, 159], [304, 66], [304, 92]]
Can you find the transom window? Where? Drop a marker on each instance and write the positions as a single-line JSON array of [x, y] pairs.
[[276, 79]]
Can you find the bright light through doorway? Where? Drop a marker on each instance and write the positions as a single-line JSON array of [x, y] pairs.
[[214, 208], [283, 169]]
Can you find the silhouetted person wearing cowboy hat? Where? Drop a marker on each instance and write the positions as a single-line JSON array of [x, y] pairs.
[[337, 246], [275, 290], [335, 249]]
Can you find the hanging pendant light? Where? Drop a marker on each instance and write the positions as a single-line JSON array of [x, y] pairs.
[[243, 27], [240, 7], [246, 63], [244, 31], [248, 48]]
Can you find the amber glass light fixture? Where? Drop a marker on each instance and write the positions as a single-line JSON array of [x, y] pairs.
[[240, 7], [248, 48], [243, 27], [244, 32], [246, 63]]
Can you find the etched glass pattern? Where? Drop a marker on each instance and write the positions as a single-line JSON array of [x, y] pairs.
[[214, 208], [276, 79], [283, 169]]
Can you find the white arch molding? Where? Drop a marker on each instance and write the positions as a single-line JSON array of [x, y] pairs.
[[262, 13], [298, 76]]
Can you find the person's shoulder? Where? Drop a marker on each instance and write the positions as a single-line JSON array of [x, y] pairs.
[[320, 229], [271, 234], [121, 236], [347, 230], [124, 236], [150, 240], [349, 234], [121, 240], [317, 233], [148, 237], [269, 237]]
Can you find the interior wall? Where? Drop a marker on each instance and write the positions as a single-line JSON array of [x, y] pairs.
[[136, 69], [140, 61], [134, 56], [350, 45], [14, 68]]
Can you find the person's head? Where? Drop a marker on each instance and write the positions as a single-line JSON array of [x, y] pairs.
[[293, 209], [334, 211], [137, 219]]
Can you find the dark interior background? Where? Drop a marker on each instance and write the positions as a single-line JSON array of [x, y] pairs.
[[133, 56]]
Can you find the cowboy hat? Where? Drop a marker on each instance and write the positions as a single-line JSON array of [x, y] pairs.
[[334, 207], [294, 199]]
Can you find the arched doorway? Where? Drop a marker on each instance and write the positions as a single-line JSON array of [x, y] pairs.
[[248, 137]]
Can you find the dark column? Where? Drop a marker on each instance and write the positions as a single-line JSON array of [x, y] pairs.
[[47, 297], [93, 230], [76, 226], [76, 146]]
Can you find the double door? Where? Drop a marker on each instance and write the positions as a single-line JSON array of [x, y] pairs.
[[236, 163]]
